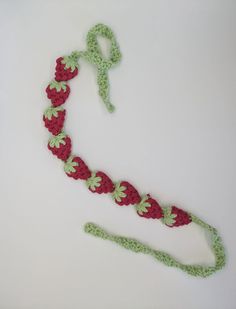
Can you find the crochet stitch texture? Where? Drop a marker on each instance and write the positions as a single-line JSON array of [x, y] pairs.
[[122, 192]]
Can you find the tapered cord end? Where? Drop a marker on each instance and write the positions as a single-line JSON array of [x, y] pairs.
[[95, 230]]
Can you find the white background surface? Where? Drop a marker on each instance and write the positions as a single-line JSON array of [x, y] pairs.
[[173, 135]]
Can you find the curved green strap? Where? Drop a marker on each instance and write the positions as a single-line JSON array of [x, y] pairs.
[[94, 55], [165, 258]]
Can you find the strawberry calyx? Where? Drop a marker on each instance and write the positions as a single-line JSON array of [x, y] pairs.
[[52, 111], [142, 207], [168, 216], [57, 85], [69, 166], [118, 193], [57, 140], [93, 182], [71, 62]]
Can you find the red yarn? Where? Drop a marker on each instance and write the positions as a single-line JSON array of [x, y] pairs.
[[81, 170], [57, 97], [63, 74], [64, 151], [106, 184], [154, 211], [182, 217], [132, 195], [56, 124]]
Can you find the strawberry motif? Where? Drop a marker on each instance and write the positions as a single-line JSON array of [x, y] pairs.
[[99, 182], [66, 68], [174, 216], [76, 168], [60, 146], [125, 194], [57, 92], [54, 119], [149, 208]]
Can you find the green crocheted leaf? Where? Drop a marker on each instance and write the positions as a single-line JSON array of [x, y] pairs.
[[118, 193], [52, 111], [70, 63], [142, 207], [69, 166], [63, 86], [57, 85], [168, 218], [57, 140], [93, 182]]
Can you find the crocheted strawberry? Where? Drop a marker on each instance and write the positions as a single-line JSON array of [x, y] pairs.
[[60, 146], [76, 168], [66, 68], [125, 194], [99, 182], [174, 216], [57, 92], [149, 208], [54, 119]]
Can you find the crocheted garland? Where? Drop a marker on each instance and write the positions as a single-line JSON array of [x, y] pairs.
[[122, 192]]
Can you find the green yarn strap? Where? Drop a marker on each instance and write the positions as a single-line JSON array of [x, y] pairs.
[[94, 55], [138, 247]]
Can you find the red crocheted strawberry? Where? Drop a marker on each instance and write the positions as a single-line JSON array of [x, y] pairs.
[[66, 68], [99, 182], [60, 146], [57, 92], [174, 216], [149, 208], [76, 168], [125, 194], [54, 119]]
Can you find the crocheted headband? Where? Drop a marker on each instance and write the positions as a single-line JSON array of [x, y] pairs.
[[122, 192]]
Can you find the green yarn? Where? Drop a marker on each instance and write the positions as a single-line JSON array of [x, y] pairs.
[[168, 218], [93, 181], [71, 62], [55, 141], [52, 111], [94, 55], [118, 193], [57, 85], [165, 258], [143, 205], [69, 166]]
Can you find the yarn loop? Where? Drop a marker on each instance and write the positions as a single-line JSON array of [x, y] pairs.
[[94, 55]]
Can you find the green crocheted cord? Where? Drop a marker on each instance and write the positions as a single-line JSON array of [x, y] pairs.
[[138, 247], [94, 55]]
